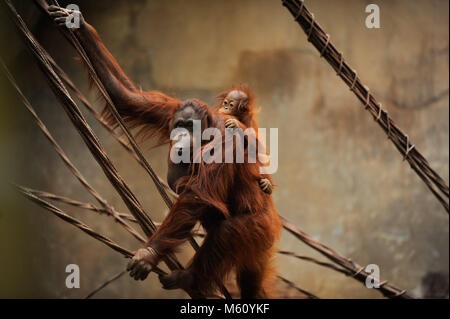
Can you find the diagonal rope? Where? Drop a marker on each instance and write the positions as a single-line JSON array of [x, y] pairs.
[[106, 283], [355, 271], [292, 285], [80, 225], [105, 206], [321, 41], [315, 261], [76, 203]]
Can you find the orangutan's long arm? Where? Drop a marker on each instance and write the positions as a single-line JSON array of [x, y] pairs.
[[104, 63], [153, 110], [174, 230]]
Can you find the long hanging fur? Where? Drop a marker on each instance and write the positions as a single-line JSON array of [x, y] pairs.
[[241, 222]]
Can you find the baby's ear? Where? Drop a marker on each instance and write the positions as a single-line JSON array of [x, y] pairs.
[[242, 106], [222, 96]]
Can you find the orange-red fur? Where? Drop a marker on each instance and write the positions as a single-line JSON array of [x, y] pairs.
[[241, 221]]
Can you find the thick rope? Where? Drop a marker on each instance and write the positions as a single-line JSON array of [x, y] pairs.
[[321, 41]]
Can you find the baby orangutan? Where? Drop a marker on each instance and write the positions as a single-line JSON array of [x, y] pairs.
[[239, 104]]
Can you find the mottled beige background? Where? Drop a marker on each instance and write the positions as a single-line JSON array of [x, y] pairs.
[[339, 178]]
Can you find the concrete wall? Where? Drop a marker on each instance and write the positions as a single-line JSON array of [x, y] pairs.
[[339, 178]]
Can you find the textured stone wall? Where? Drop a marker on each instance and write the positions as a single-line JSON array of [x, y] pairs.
[[339, 178]]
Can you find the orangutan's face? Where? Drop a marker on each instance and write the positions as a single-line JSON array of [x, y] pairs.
[[231, 103]]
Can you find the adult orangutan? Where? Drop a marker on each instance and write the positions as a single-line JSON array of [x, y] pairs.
[[240, 220]]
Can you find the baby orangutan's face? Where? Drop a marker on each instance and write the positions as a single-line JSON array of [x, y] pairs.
[[233, 102]]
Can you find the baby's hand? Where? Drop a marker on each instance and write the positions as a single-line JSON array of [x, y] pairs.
[[231, 123]]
